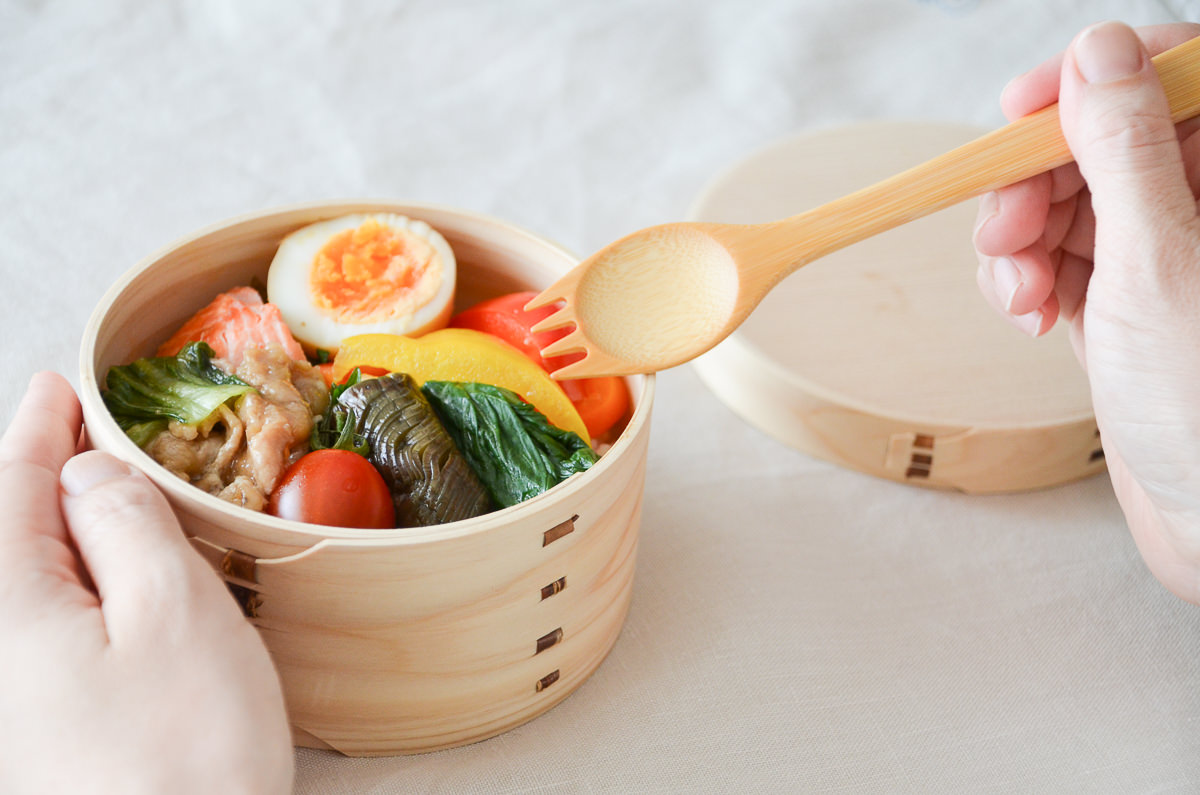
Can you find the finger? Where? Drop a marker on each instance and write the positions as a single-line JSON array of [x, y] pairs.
[[1118, 125], [1013, 217], [1066, 182], [1048, 312], [993, 277], [1059, 219], [1074, 274], [34, 547], [1039, 87], [1080, 238], [1032, 90], [1035, 274], [146, 573], [46, 427], [1189, 147], [1187, 128]]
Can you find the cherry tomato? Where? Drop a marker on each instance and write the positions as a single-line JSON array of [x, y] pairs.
[[601, 402], [337, 488]]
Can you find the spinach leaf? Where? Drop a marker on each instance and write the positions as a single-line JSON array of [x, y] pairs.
[[189, 388], [512, 447], [335, 429]]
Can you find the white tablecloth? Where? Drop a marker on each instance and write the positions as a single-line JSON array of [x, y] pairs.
[[795, 626]]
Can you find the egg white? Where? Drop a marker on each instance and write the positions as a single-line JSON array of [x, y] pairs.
[[288, 283]]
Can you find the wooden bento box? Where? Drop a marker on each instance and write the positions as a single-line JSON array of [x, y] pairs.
[[410, 640]]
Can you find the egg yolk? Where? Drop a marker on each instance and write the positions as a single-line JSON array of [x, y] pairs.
[[374, 273]]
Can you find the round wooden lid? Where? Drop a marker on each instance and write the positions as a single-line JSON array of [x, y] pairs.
[[883, 356]]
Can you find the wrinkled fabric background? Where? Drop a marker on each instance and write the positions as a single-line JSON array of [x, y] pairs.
[[795, 627]]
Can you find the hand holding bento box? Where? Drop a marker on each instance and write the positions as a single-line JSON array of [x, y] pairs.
[[128, 666], [193, 683]]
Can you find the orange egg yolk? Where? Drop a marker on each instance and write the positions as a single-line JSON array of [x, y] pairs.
[[374, 273]]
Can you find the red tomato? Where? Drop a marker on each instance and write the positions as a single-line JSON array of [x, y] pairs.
[[337, 488], [601, 402]]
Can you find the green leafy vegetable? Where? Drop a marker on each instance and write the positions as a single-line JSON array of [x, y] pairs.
[[142, 432], [511, 445], [188, 388], [430, 480], [335, 429]]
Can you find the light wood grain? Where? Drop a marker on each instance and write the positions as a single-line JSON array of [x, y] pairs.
[[399, 641], [883, 357], [664, 295]]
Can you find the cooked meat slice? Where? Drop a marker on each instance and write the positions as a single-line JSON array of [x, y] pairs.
[[311, 386], [277, 420], [244, 492], [179, 456], [269, 370], [270, 436], [235, 431], [240, 455]]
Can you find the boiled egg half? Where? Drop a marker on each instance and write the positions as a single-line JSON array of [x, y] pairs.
[[367, 273]]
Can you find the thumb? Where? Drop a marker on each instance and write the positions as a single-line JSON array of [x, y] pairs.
[[1117, 122], [143, 568]]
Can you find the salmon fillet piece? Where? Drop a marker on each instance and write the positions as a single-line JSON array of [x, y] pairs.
[[235, 321]]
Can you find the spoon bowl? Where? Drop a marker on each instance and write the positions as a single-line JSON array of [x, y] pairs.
[[634, 329], [666, 294]]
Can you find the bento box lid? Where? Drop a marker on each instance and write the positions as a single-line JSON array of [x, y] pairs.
[[884, 357]]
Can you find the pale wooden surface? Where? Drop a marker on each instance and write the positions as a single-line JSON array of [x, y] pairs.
[[404, 641], [661, 296], [882, 356]]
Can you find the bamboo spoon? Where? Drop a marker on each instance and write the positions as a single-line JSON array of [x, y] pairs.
[[662, 296]]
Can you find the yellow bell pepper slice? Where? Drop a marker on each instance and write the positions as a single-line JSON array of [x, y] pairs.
[[459, 354]]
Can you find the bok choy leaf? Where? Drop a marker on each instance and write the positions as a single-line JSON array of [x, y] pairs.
[[189, 388], [511, 445]]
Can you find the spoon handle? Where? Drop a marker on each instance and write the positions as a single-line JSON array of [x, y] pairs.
[[1022, 149]]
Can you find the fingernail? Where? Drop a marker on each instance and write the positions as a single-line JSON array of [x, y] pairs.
[[989, 208], [1108, 52], [1007, 278], [89, 469], [1030, 323]]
